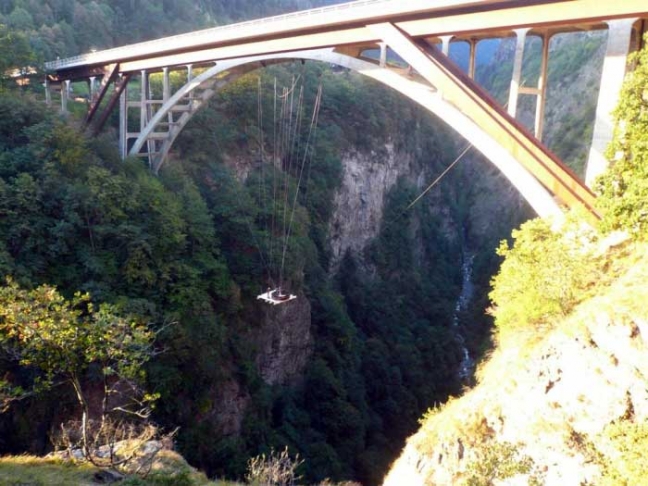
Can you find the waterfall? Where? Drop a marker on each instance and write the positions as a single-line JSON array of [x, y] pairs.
[[467, 289]]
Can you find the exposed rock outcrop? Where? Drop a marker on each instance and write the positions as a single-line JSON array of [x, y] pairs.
[[282, 345], [285, 342], [366, 179]]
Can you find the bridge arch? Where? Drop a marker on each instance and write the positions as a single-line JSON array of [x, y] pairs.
[[208, 82]]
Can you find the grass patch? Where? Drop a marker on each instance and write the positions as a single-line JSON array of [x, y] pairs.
[[35, 471], [171, 470]]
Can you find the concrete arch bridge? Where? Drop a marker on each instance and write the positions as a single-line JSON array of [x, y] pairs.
[[419, 33]]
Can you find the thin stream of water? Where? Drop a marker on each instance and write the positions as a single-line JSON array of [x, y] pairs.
[[467, 289]]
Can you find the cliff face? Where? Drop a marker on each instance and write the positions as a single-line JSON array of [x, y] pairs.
[[284, 342], [282, 345], [366, 179], [556, 411]]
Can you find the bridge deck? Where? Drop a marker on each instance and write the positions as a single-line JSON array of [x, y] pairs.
[[347, 24], [408, 29]]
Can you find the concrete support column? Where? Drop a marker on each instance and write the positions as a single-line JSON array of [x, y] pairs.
[[166, 85], [189, 72], [542, 88], [471, 58], [144, 91], [166, 92], [517, 70], [65, 95], [383, 54], [48, 92], [123, 121], [93, 87], [445, 44], [614, 71]]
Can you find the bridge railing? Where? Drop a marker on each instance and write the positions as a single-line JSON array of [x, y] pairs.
[[210, 34]]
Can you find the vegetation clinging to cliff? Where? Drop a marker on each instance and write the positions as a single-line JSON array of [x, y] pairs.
[[623, 189], [543, 275], [548, 269]]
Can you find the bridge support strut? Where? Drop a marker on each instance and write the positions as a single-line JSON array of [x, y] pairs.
[[471, 100], [615, 67]]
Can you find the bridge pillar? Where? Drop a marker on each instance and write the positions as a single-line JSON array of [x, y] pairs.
[[445, 44], [383, 54], [123, 122], [471, 59], [166, 85], [65, 95], [92, 87], [542, 87], [48, 92], [166, 94], [143, 99], [189, 72], [614, 70], [516, 80]]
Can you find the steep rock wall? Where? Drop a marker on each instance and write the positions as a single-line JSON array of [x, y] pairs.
[[284, 342], [366, 179]]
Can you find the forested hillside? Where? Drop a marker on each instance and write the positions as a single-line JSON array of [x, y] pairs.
[[178, 252], [342, 374], [54, 28]]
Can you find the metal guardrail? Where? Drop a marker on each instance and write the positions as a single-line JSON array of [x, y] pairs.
[[141, 48]]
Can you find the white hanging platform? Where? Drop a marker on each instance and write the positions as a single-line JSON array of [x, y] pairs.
[[275, 297]]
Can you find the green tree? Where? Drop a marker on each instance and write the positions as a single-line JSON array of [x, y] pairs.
[[62, 340], [16, 53]]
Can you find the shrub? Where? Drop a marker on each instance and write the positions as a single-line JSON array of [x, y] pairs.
[[275, 469], [628, 465], [497, 461], [543, 275]]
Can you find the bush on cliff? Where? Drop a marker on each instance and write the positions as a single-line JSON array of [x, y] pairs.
[[543, 276], [623, 189]]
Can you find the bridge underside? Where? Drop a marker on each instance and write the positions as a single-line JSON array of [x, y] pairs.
[[158, 134], [425, 75]]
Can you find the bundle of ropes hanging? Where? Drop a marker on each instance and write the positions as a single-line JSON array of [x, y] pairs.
[[284, 174]]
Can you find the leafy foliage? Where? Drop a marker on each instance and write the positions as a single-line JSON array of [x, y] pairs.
[[627, 463], [62, 340], [623, 189], [53, 335], [497, 461], [543, 275], [182, 248]]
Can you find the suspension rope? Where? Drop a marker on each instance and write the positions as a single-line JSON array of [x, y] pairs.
[[429, 188], [311, 135], [288, 127], [274, 170], [262, 186], [438, 179], [294, 152]]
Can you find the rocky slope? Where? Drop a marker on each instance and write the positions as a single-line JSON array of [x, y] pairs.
[[561, 409]]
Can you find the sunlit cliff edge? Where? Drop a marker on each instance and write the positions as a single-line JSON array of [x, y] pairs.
[[563, 404]]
